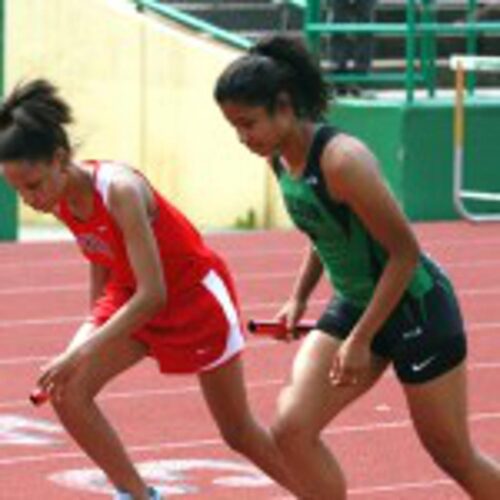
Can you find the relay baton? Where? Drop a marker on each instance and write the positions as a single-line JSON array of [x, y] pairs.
[[275, 328], [39, 396]]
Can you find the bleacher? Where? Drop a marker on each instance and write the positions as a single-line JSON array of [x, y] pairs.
[[248, 18], [255, 18]]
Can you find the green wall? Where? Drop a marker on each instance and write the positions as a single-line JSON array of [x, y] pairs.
[[8, 213], [8, 199], [414, 144]]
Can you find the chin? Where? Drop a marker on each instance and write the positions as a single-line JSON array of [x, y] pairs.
[[45, 209], [261, 152]]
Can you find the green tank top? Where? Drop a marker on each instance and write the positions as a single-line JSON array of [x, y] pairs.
[[352, 258]]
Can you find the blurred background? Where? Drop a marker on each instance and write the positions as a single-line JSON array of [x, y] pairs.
[[140, 75]]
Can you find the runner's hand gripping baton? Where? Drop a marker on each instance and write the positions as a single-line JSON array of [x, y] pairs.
[[39, 396], [277, 329]]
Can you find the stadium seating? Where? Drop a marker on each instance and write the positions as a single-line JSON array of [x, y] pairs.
[[255, 18]]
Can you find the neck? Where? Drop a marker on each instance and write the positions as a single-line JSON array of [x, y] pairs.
[[295, 149], [79, 192]]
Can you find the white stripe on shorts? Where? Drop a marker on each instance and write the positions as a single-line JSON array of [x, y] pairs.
[[235, 341]]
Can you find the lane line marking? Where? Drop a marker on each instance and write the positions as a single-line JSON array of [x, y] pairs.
[[210, 442]]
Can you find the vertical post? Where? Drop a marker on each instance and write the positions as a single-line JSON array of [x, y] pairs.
[[458, 121], [429, 47], [2, 47], [410, 50], [313, 16], [8, 198], [458, 138], [471, 42]]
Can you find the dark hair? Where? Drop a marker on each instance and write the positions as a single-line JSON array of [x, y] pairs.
[[275, 64], [32, 120]]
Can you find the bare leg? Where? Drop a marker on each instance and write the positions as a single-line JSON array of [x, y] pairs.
[[225, 394], [439, 412], [306, 406], [86, 424]]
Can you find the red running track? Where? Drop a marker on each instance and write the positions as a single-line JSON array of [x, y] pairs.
[[163, 420]]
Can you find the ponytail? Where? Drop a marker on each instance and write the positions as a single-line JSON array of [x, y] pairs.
[[274, 65], [32, 120]]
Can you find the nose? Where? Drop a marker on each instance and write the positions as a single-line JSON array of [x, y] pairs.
[[243, 136], [27, 198], [31, 199]]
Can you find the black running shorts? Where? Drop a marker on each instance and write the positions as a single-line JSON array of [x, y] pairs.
[[423, 338]]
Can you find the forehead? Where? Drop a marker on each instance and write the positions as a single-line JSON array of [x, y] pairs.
[[237, 110]]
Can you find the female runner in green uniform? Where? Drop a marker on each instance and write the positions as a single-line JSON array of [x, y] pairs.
[[392, 304]]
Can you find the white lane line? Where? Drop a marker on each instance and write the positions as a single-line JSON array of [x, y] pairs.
[[391, 488], [83, 286], [179, 391], [22, 263], [60, 320], [210, 442], [245, 277], [26, 360], [263, 306], [75, 319], [26, 290]]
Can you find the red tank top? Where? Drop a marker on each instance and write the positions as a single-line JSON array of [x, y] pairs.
[[185, 257]]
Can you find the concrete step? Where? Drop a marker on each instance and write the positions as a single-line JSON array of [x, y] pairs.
[[247, 17], [445, 77], [257, 18]]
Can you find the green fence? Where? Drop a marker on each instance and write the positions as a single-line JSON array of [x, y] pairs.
[[421, 31], [412, 138], [193, 22], [8, 199]]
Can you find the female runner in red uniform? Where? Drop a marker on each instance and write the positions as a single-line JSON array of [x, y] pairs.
[[155, 288]]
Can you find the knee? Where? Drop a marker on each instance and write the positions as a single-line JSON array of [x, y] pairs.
[[238, 436], [451, 455], [290, 430], [73, 399], [292, 434]]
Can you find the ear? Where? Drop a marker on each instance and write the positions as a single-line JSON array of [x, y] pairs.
[[283, 101], [60, 157]]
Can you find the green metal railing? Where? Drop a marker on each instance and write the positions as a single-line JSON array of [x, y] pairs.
[[301, 4], [193, 23], [421, 31]]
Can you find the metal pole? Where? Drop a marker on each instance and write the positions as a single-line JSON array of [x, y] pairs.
[[429, 47], [313, 16], [410, 51], [471, 41], [2, 47]]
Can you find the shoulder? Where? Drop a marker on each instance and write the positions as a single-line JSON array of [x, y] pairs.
[[119, 183], [344, 150], [347, 163]]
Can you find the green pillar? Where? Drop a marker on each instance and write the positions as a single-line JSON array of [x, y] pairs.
[[8, 198], [2, 45], [312, 15], [411, 19]]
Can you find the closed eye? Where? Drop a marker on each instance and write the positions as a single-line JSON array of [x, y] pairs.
[[33, 186]]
